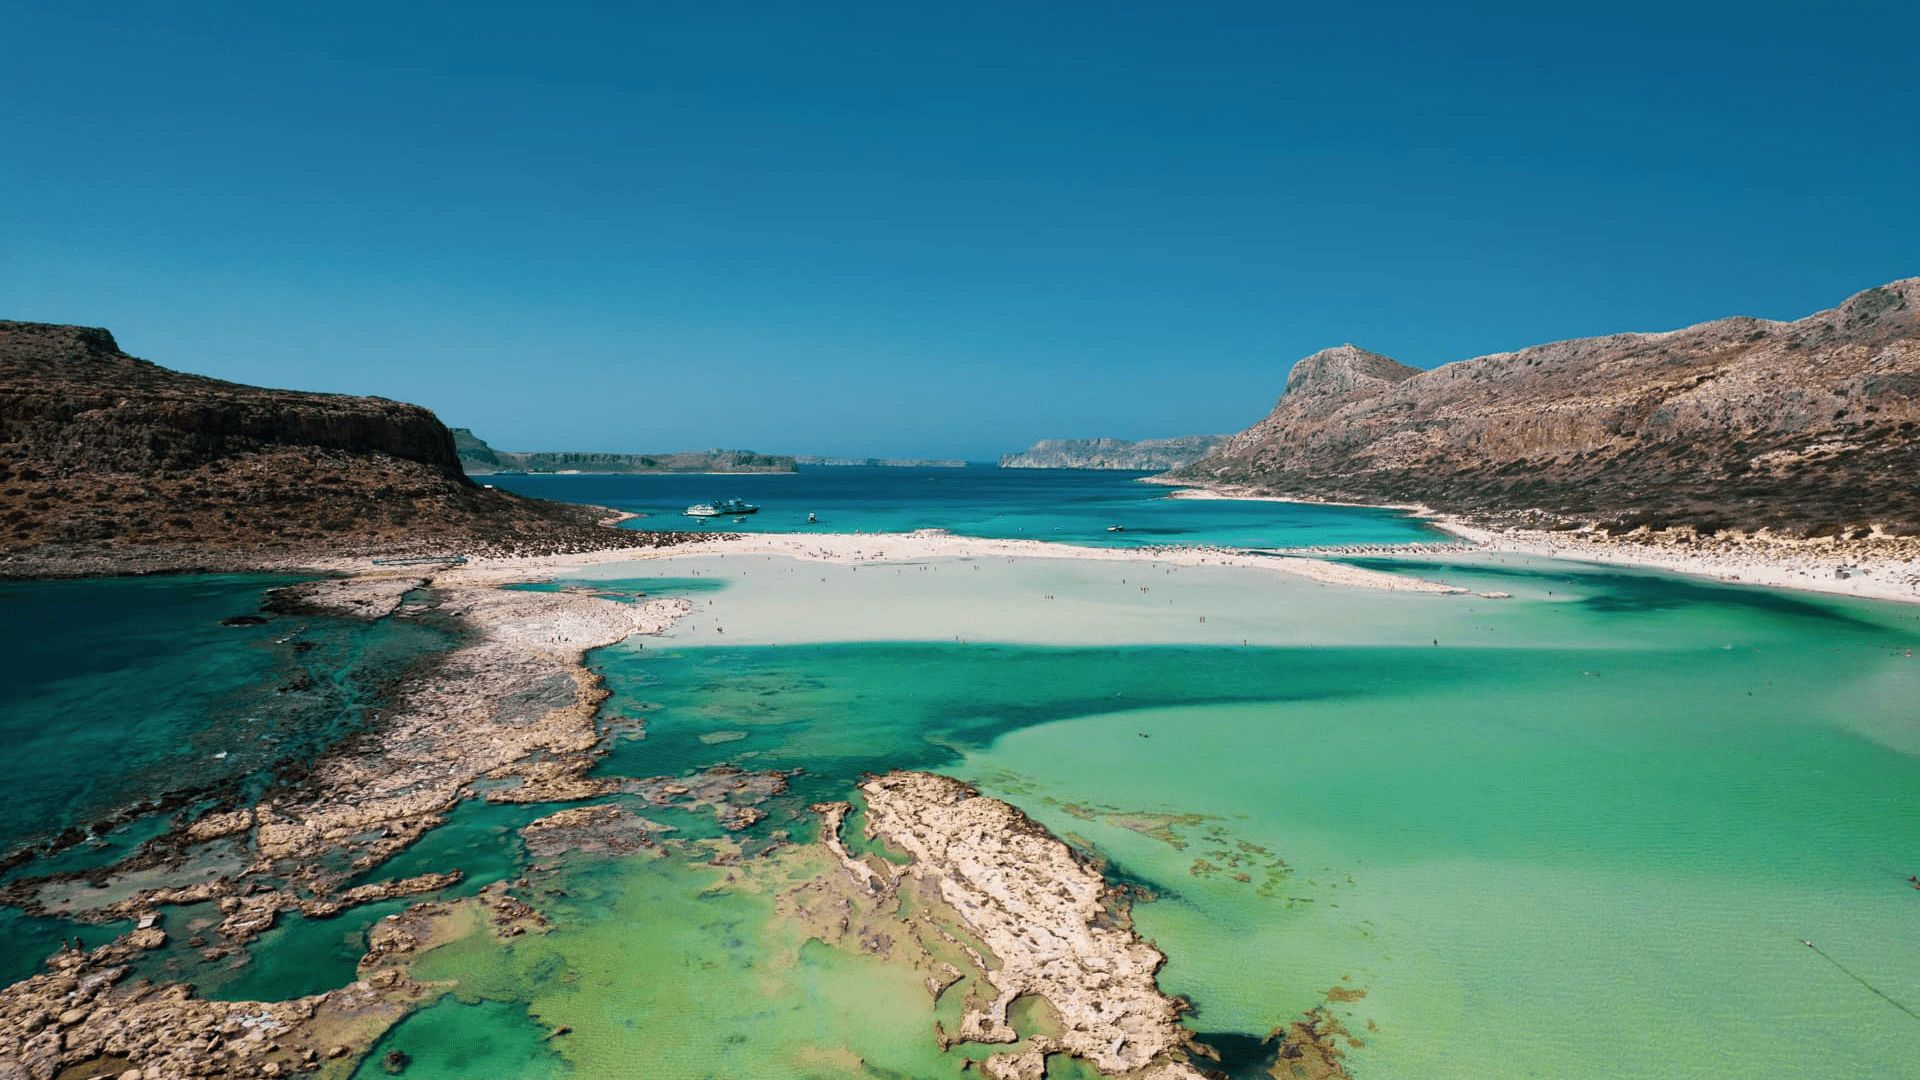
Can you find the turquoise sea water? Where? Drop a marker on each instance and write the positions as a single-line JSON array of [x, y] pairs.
[[1531, 858], [1585, 834], [1072, 505], [116, 691], [120, 695]]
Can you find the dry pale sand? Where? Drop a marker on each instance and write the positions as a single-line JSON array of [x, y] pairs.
[[1776, 563], [858, 548], [1773, 562]]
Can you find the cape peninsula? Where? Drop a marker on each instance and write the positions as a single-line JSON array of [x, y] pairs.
[[1808, 428], [110, 463]]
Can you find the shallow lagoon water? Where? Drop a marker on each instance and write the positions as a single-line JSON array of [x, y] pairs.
[[1583, 835], [1071, 505], [1586, 839]]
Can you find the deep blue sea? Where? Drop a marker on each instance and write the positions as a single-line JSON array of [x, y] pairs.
[[1071, 505], [115, 691]]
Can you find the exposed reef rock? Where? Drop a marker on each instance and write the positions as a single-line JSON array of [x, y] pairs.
[[511, 706], [605, 828], [370, 597], [110, 464], [1806, 428], [1052, 924], [89, 1016], [1113, 453], [479, 459]]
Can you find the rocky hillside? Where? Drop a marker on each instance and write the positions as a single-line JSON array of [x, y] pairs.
[[110, 463], [1809, 427], [1112, 453], [479, 459]]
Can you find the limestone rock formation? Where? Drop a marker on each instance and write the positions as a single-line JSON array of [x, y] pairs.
[[1047, 919], [1809, 427]]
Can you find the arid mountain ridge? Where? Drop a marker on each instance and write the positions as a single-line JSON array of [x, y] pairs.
[[110, 463], [1805, 428]]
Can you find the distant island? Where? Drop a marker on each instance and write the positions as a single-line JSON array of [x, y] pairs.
[[1114, 453], [480, 459], [890, 463]]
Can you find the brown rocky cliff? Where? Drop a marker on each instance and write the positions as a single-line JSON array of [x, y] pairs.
[[83, 404], [109, 462], [1805, 427]]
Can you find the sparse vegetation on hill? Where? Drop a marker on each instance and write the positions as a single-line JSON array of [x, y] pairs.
[[1808, 428]]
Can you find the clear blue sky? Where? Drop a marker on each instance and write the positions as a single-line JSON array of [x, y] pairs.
[[907, 228]]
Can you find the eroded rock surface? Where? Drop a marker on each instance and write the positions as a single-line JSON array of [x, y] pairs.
[[511, 705], [369, 596], [1051, 924], [608, 829]]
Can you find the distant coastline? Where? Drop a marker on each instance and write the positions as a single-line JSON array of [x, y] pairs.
[[478, 458], [1103, 453], [882, 463]]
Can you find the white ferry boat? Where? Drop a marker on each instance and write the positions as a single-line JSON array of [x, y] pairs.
[[734, 507]]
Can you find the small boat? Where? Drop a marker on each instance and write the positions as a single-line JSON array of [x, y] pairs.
[[731, 507], [1116, 528]]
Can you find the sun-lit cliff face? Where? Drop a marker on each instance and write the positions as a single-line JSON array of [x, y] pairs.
[[1808, 427], [108, 462]]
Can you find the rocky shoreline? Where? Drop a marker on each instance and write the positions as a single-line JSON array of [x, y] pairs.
[[1866, 563], [507, 714]]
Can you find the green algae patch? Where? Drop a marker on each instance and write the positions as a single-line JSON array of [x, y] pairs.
[[667, 965], [455, 1040]]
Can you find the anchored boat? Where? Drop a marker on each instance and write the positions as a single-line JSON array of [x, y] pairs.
[[731, 507]]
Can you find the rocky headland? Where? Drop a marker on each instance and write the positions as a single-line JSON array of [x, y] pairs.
[[1808, 428], [479, 459], [1113, 453], [112, 464]]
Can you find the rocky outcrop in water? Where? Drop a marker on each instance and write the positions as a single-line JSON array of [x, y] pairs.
[[110, 463], [1112, 453], [480, 459], [1809, 427], [1052, 923]]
